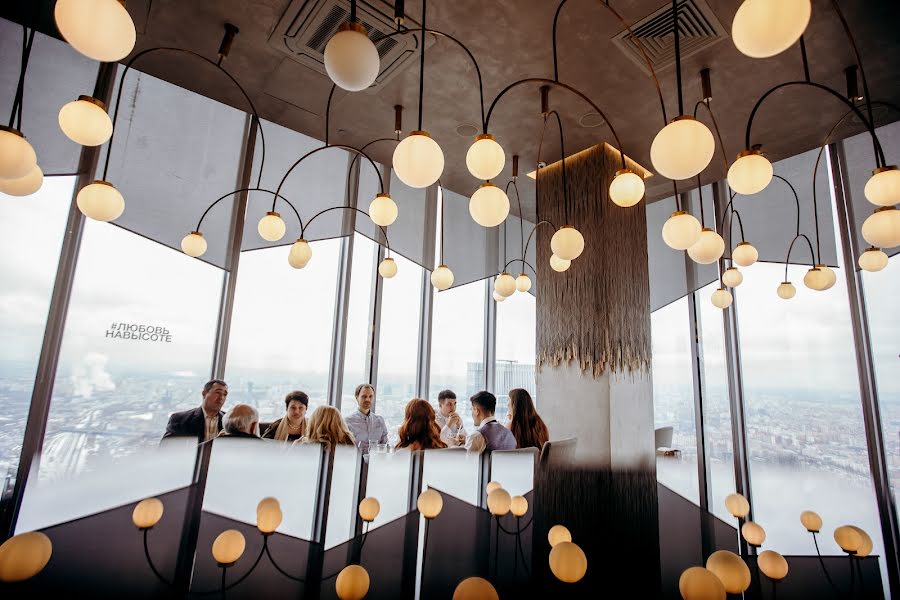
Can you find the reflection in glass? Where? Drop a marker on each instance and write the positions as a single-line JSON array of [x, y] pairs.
[[516, 334]]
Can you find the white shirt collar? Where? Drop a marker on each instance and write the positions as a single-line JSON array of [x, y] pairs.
[[488, 420]]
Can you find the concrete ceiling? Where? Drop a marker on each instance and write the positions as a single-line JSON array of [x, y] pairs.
[[512, 40]]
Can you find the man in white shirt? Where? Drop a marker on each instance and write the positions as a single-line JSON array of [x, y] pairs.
[[365, 425], [452, 431], [490, 435]]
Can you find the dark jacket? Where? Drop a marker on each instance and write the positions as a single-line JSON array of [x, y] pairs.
[[269, 433], [189, 423]]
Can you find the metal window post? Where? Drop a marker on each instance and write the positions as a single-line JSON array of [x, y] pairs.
[[374, 334], [426, 300], [490, 335]]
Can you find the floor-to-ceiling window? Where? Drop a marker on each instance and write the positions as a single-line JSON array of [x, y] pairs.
[[360, 313], [516, 349]]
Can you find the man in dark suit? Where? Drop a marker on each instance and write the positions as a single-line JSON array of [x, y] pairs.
[[205, 421]]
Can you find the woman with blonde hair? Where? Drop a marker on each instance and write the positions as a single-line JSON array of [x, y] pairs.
[[292, 426], [327, 426], [419, 430]]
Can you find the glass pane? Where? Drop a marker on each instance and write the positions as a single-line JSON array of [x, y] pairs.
[[357, 351], [388, 481], [452, 471], [281, 328], [24, 302], [342, 505], [514, 470], [138, 346], [516, 333]]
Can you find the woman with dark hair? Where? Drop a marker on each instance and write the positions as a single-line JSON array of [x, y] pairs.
[[526, 425], [292, 426], [419, 430]]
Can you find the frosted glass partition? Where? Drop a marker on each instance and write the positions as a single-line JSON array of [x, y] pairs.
[[110, 483], [514, 470], [388, 482], [242, 472], [453, 471], [342, 502]]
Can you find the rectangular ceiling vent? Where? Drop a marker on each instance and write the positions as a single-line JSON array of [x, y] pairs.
[[698, 28], [306, 26]]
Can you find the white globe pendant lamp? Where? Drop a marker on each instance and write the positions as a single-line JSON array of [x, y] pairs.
[[442, 278], [85, 121], [744, 254], [829, 275], [882, 228], [271, 227], [682, 149], [498, 297], [387, 268], [708, 248], [300, 254], [883, 188], [489, 205], [567, 243], [815, 279], [873, 260], [505, 285], [100, 29], [681, 230], [523, 282], [627, 188], [17, 157], [750, 173], [23, 186], [786, 290], [418, 160], [383, 210], [351, 59], [485, 158], [732, 277], [100, 201], [559, 264], [193, 244], [722, 298], [764, 28]]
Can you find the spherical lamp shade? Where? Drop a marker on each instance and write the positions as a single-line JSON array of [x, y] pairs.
[[698, 583], [485, 158], [722, 298], [882, 229], [708, 248], [848, 538], [626, 189], [351, 59], [568, 562], [23, 186], [744, 254], [559, 264], [498, 297], [505, 285], [418, 160], [732, 277], [829, 276], [815, 279], [193, 244], [430, 503], [811, 521], [518, 506], [352, 583], [493, 485], [750, 173], [764, 28], [753, 533], [383, 210], [17, 157], [489, 205], [442, 277], [873, 260], [369, 509], [681, 230], [147, 513], [737, 505], [773, 565], [475, 588], [558, 534], [387, 268], [300, 254], [786, 290], [268, 515], [271, 227], [228, 547], [731, 570], [682, 149], [523, 282], [865, 548], [567, 243], [100, 201], [85, 121], [23, 556], [883, 188], [99, 29], [499, 502]]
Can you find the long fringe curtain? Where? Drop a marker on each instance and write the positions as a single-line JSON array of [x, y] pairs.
[[597, 313]]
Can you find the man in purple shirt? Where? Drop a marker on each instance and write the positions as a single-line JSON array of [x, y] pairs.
[[490, 435]]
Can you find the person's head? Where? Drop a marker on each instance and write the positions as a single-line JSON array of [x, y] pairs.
[[447, 402], [525, 423], [215, 391], [483, 406], [419, 430], [365, 397], [295, 405], [241, 418], [327, 426]]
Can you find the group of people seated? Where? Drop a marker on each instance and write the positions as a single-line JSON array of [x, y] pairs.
[[423, 428]]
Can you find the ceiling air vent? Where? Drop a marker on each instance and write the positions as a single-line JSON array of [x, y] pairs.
[[698, 28], [306, 26]]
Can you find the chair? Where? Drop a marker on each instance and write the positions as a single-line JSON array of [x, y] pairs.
[[558, 453], [664, 441]]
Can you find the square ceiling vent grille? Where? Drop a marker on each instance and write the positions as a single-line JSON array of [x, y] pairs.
[[698, 27], [306, 26]]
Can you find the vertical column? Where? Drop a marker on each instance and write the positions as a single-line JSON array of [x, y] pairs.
[[490, 334], [375, 307], [427, 295]]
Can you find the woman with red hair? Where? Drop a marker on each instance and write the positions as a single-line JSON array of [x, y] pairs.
[[419, 430]]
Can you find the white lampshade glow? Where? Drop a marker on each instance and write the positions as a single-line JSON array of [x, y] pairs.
[[518, 506], [681, 230], [504, 284], [753, 533], [708, 248], [811, 521], [873, 260], [99, 29], [866, 546], [626, 189], [558, 534], [815, 279], [100, 201], [750, 173], [737, 505], [731, 570], [882, 229], [682, 149], [499, 502], [559, 264], [697, 583], [485, 158], [772, 564], [475, 588], [829, 275], [352, 583], [351, 59], [567, 243], [883, 188], [848, 538], [786, 290], [442, 277], [17, 157], [23, 556], [744, 254], [383, 210], [722, 298], [24, 186], [271, 227], [228, 547], [732, 277], [368, 509], [147, 513], [418, 160], [300, 254], [430, 503], [268, 515], [568, 562], [489, 205], [85, 121], [764, 28], [498, 297], [491, 486], [523, 282], [387, 268], [193, 244]]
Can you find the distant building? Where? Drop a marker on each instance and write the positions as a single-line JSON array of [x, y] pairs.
[[508, 375]]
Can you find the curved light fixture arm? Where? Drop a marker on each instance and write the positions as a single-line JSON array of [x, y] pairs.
[[256, 189], [322, 212], [735, 213], [277, 566], [538, 224], [150, 560], [562, 145], [15, 117], [524, 262], [791, 248], [718, 133], [796, 199], [356, 157]]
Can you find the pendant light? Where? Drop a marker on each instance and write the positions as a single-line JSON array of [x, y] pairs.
[[85, 121], [100, 201], [873, 260], [567, 243], [504, 284], [732, 277], [271, 227], [815, 279], [744, 254], [383, 210], [489, 205], [722, 298], [559, 264], [387, 268], [351, 59], [786, 290], [17, 157], [99, 29], [883, 188], [708, 248], [882, 228], [764, 28], [24, 186], [498, 297], [442, 277], [681, 230], [523, 282], [750, 173], [830, 278], [485, 158], [627, 188], [300, 254], [193, 244]]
